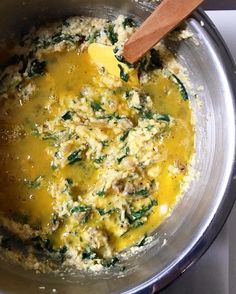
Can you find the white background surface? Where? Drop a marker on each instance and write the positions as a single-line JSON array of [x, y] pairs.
[[215, 273]]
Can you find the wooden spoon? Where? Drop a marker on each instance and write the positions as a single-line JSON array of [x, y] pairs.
[[164, 19]]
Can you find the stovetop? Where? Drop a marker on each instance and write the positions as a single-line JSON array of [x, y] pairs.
[[215, 272]]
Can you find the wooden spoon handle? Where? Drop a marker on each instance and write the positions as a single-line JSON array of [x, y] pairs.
[[164, 19]]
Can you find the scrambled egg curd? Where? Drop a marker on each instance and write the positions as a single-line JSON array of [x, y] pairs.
[[94, 151]]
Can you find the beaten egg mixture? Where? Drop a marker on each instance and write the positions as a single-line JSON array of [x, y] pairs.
[[94, 150]]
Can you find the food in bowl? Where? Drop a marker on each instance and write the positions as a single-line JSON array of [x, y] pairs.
[[95, 152]]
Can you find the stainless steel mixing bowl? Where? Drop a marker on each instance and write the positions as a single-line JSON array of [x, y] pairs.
[[182, 238]]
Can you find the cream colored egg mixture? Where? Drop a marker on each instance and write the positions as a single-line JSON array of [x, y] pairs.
[[94, 151]]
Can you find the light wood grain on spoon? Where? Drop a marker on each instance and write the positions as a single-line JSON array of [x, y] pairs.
[[164, 19]]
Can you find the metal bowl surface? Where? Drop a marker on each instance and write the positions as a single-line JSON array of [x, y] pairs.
[[201, 213]]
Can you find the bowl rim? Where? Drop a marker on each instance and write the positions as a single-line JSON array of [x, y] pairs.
[[215, 222]]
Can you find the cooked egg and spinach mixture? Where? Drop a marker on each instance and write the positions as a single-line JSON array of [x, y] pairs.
[[94, 151]]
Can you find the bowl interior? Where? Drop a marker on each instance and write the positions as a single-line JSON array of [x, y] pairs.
[[179, 237]]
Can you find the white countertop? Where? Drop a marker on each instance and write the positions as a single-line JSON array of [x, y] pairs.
[[215, 272]]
